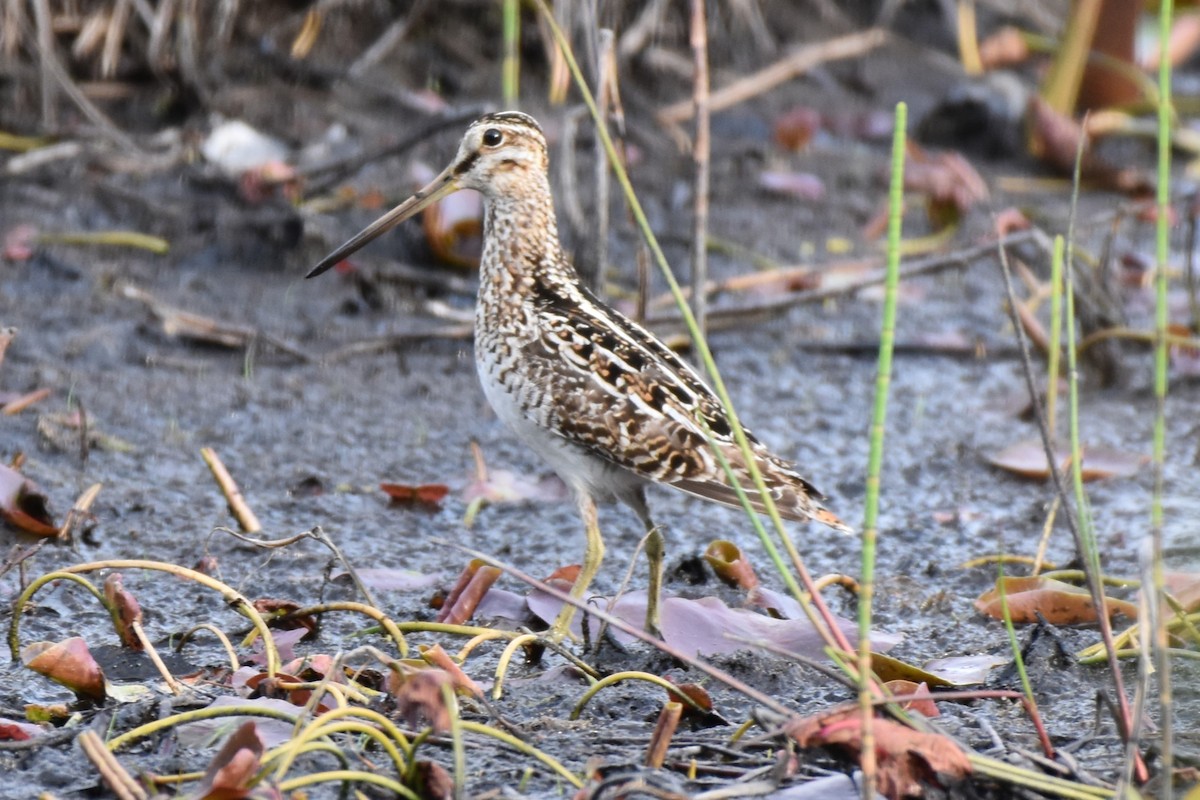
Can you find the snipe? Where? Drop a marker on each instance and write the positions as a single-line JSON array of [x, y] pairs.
[[609, 406]]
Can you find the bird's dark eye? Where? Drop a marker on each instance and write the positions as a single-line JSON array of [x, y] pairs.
[[492, 137]]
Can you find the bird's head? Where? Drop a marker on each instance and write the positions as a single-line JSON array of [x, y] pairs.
[[499, 156]]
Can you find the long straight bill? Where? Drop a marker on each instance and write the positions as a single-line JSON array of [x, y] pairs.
[[438, 188]]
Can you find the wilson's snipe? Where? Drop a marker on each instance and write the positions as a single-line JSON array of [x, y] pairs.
[[608, 405]]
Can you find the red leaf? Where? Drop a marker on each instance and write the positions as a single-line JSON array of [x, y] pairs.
[[429, 494]]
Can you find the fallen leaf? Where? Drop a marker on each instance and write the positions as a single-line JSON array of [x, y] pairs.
[[69, 663], [231, 773], [23, 505], [418, 695], [503, 604], [1027, 458], [388, 579], [428, 494], [706, 625], [1058, 602], [285, 643], [271, 732], [128, 612], [965, 670], [922, 698], [908, 760], [437, 657], [784, 605]]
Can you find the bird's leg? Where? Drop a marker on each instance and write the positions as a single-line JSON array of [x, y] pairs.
[[655, 553], [655, 547], [593, 554]]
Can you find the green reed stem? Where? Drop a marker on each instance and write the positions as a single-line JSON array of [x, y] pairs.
[[1162, 251], [511, 69], [883, 382], [1054, 357], [1013, 643]]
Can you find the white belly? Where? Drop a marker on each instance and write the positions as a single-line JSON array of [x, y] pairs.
[[582, 471]]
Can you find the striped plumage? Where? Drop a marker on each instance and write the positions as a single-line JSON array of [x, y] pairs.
[[607, 404]]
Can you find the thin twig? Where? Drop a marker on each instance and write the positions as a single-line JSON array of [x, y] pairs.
[[118, 779], [791, 66], [233, 496]]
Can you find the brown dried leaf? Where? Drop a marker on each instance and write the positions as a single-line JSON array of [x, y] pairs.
[[908, 760], [1058, 602], [23, 505], [922, 701], [437, 657], [418, 695], [231, 773], [730, 564], [69, 663], [428, 494], [128, 612], [693, 692]]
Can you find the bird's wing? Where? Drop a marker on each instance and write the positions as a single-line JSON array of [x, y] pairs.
[[637, 404]]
